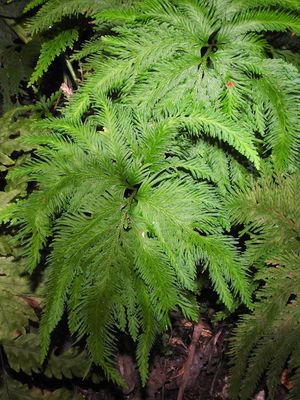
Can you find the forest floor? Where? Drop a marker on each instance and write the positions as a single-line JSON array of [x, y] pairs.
[[188, 363]]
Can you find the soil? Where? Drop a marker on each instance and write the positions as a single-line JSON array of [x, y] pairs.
[[189, 363]]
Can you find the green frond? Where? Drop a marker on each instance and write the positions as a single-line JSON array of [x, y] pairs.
[[220, 257], [259, 20], [288, 56], [281, 115], [50, 50], [267, 339], [33, 4], [192, 16], [288, 4], [151, 329], [172, 66], [121, 218], [268, 207], [89, 48], [218, 126], [54, 11], [96, 314]]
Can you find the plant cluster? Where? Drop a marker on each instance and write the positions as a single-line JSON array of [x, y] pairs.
[[140, 180]]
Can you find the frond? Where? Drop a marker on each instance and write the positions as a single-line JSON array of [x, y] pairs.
[[121, 218], [281, 105], [268, 206], [266, 340], [288, 56], [51, 49], [92, 47], [23, 355], [15, 313], [287, 4], [54, 11], [147, 338], [33, 4], [218, 126], [259, 20]]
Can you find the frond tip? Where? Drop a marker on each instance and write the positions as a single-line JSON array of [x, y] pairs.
[[50, 50]]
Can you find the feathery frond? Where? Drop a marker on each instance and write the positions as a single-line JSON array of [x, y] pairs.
[[51, 49], [127, 228], [267, 340], [179, 53]]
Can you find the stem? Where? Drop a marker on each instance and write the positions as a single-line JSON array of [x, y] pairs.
[[20, 32], [72, 72], [189, 361]]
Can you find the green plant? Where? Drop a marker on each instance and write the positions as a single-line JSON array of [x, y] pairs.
[[168, 52], [14, 126], [49, 21], [267, 341], [19, 303], [129, 223], [130, 202], [17, 312]]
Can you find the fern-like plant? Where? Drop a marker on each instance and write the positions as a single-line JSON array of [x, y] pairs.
[[267, 341], [208, 52], [128, 222], [130, 202], [19, 303], [49, 20]]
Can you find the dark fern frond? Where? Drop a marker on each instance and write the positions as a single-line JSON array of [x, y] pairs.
[[267, 339]]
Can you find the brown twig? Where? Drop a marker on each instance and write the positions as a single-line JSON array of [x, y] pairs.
[[189, 361]]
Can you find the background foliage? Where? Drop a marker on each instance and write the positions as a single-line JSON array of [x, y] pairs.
[[268, 338]]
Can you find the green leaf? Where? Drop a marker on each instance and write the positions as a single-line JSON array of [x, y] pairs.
[[23, 354], [12, 389], [15, 313], [50, 50]]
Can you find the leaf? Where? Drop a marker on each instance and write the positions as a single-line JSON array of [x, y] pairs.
[[15, 313], [16, 66], [23, 354], [69, 364], [6, 198], [50, 50], [15, 390]]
